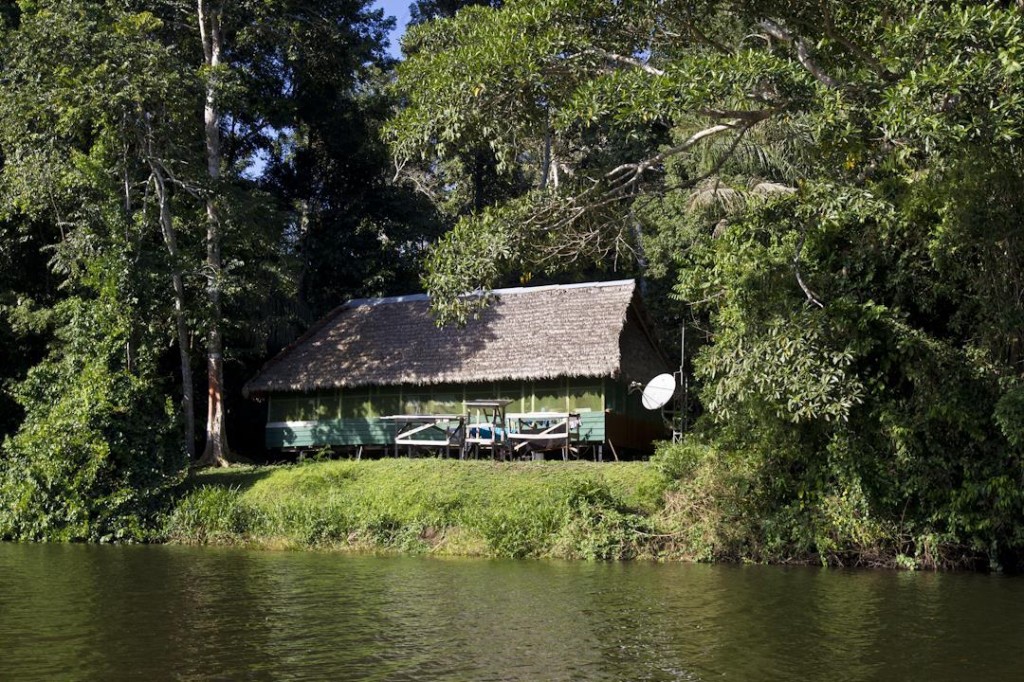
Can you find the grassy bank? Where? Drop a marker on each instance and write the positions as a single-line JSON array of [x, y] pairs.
[[536, 509], [692, 502]]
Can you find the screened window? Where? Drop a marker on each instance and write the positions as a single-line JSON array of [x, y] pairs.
[[293, 408], [415, 403], [585, 396], [445, 399], [305, 408], [512, 391], [387, 400], [549, 396], [328, 405], [356, 404], [277, 410]]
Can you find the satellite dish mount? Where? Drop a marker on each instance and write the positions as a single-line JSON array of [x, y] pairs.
[[668, 392]]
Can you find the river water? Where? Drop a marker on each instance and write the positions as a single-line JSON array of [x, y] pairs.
[[153, 613]]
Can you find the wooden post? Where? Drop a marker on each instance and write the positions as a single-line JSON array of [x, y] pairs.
[[568, 434]]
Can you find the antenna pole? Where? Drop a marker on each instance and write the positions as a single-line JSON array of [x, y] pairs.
[[685, 380], [680, 425]]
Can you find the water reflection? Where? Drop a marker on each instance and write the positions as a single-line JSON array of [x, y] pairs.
[[85, 612]]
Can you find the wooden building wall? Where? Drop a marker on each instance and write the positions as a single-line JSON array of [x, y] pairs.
[[628, 425]]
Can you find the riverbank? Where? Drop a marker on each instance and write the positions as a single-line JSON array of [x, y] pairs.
[[691, 503], [577, 510]]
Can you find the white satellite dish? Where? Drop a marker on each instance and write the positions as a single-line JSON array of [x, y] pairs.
[[658, 391]]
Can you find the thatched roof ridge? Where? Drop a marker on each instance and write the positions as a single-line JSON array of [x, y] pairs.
[[527, 333]]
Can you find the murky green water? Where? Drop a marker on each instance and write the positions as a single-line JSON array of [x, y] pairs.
[[104, 613]]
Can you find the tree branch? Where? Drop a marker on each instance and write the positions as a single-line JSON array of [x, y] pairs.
[[703, 37], [629, 173], [623, 59], [811, 296], [745, 115], [856, 50], [803, 55], [716, 167], [589, 224]]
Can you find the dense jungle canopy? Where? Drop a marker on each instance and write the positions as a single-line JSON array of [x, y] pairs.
[[827, 194]]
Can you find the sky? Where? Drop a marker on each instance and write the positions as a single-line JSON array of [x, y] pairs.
[[400, 10]]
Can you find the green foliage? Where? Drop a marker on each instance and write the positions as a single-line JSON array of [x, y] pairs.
[[597, 526], [438, 506], [830, 190], [80, 131], [743, 505], [103, 189], [98, 445], [318, 76], [1009, 414], [215, 514]]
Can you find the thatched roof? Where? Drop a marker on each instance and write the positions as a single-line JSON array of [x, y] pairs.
[[578, 330]]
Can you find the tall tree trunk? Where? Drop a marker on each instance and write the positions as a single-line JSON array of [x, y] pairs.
[[546, 161], [216, 451], [184, 344]]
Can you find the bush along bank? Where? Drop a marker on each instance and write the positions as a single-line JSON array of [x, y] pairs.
[[772, 507], [537, 509]]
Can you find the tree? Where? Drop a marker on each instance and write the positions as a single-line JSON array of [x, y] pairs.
[[79, 134], [353, 231], [468, 179], [506, 79], [116, 102], [128, 228], [210, 18], [274, 82], [294, 87], [98, 448], [831, 189]]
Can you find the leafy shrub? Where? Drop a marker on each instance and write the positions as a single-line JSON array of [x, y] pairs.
[[98, 447], [598, 526]]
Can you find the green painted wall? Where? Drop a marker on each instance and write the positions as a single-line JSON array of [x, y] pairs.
[[298, 434], [374, 431], [352, 416], [620, 401]]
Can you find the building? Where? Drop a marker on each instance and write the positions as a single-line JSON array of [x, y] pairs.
[[564, 348]]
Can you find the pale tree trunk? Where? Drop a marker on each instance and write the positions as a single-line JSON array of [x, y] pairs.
[[546, 161], [549, 172], [184, 344], [216, 451]]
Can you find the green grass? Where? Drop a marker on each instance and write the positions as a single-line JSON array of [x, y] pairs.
[[556, 509]]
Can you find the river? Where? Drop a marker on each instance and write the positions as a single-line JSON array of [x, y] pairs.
[[162, 612]]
